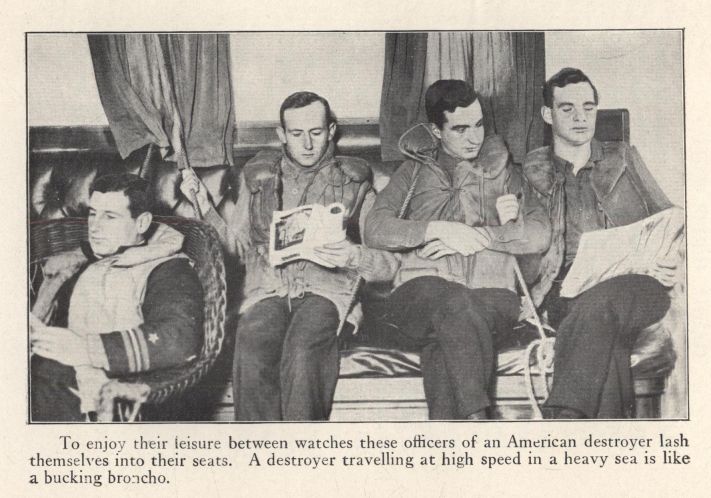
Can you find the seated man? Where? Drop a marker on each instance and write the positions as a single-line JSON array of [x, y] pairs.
[[458, 211], [588, 185], [286, 353], [136, 306]]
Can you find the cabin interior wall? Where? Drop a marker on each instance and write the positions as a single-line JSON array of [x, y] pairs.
[[637, 70]]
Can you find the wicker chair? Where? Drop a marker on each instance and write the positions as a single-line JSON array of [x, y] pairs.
[[49, 237]]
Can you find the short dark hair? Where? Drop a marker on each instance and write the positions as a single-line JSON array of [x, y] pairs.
[[564, 77], [134, 187], [302, 99], [447, 95]]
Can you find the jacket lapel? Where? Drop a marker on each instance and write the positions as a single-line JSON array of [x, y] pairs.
[[539, 170], [605, 174]]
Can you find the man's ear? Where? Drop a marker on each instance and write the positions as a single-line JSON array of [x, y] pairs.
[[436, 131], [143, 222], [547, 114], [281, 134], [331, 131]]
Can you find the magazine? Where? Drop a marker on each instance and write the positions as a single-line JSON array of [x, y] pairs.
[[295, 233]]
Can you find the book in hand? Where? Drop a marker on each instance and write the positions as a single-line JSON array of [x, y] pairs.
[[631, 249], [294, 233]]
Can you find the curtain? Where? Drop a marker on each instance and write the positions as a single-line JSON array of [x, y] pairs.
[[171, 90], [402, 98], [507, 69]]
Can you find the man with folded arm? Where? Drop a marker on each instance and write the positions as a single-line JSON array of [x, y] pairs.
[[458, 212]]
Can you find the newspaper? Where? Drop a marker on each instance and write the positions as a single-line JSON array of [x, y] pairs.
[[634, 248], [665, 94], [294, 233]]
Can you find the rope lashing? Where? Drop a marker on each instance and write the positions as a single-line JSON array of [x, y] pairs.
[[542, 346], [401, 214]]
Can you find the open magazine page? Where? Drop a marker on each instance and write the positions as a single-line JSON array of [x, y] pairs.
[[650, 66], [296, 232]]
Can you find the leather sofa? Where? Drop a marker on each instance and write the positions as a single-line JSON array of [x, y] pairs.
[[378, 381]]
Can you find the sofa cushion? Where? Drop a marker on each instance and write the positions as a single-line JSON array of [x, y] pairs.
[[652, 358]]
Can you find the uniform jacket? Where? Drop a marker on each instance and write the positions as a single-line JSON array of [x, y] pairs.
[[139, 310], [469, 197], [625, 190], [335, 179]]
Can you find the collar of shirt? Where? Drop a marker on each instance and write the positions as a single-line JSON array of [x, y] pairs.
[[291, 169], [490, 163], [596, 156], [297, 180], [85, 247], [447, 162], [450, 163]]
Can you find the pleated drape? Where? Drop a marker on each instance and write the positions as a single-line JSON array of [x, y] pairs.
[[507, 69]]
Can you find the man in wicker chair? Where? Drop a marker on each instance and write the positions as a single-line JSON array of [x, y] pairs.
[[286, 352], [129, 303]]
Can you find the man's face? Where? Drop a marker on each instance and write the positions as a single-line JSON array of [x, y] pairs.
[[306, 133], [111, 225], [573, 114], [462, 133]]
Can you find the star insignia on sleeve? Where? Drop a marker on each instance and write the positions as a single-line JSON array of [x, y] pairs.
[[153, 338]]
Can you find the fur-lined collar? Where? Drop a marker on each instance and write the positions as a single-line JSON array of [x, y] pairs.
[[543, 168], [421, 145]]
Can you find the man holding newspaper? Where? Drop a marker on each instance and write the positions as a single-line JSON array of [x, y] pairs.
[[607, 299], [457, 215]]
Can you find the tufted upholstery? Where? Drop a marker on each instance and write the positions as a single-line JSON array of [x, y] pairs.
[[63, 162]]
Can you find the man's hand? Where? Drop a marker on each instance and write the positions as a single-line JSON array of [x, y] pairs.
[[65, 262], [58, 344], [507, 208], [458, 237], [343, 254], [665, 272], [35, 323], [191, 182], [435, 249]]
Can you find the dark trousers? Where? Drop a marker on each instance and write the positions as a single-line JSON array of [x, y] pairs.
[[50, 397], [452, 326], [594, 342], [286, 360]]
